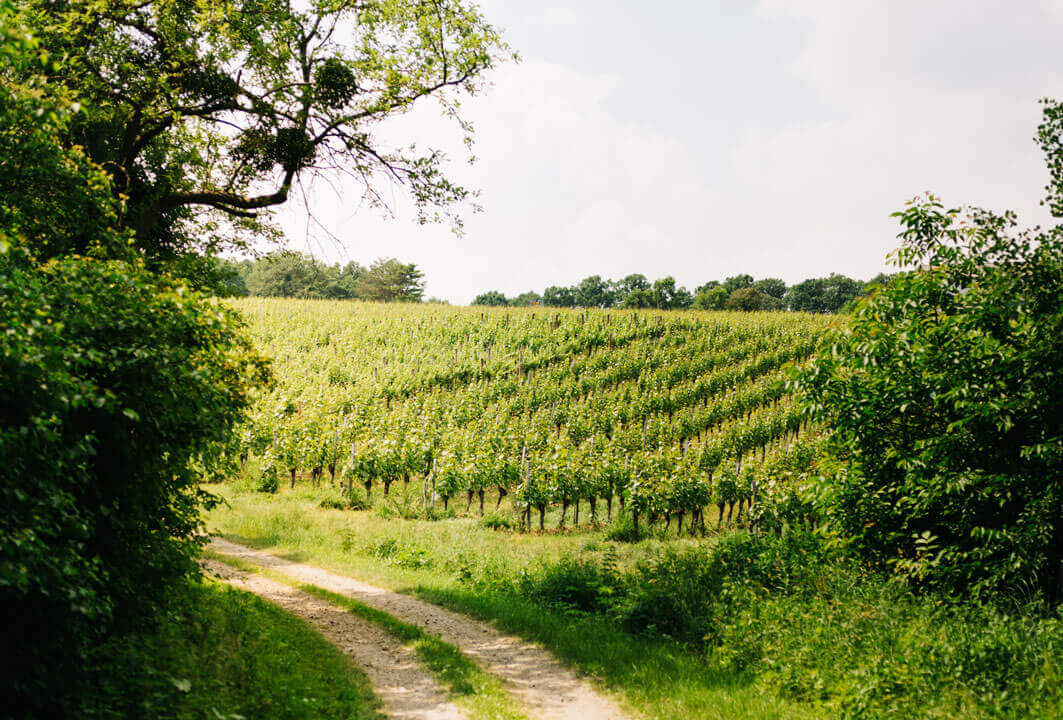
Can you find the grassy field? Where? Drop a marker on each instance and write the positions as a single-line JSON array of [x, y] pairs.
[[437, 561], [223, 653], [801, 634]]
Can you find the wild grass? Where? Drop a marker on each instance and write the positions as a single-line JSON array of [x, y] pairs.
[[658, 678], [482, 696], [722, 627], [220, 653]]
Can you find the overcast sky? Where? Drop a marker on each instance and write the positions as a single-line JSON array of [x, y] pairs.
[[705, 138]]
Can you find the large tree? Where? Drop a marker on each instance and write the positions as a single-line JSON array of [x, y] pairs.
[[390, 281], [225, 106]]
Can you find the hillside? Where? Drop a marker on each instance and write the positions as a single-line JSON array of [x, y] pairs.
[[670, 413]]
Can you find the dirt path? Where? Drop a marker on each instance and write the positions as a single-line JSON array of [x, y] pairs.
[[549, 690], [406, 689]]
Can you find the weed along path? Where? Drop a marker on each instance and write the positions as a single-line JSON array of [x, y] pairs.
[[406, 690], [548, 690]]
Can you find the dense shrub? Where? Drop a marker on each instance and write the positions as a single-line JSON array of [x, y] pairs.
[[117, 388], [686, 594], [945, 395], [791, 613]]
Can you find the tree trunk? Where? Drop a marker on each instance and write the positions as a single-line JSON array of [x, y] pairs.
[[542, 517], [387, 487], [575, 517], [719, 518], [292, 471], [368, 491], [480, 494], [609, 507], [564, 510], [594, 510], [679, 526], [468, 504], [502, 492]]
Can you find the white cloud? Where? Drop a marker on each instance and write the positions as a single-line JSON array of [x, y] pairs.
[[563, 16], [938, 96]]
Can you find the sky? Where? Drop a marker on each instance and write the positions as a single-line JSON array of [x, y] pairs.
[[711, 138]]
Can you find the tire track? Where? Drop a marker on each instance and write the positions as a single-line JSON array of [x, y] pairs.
[[549, 690]]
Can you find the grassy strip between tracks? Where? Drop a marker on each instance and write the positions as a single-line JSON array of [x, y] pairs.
[[477, 692]]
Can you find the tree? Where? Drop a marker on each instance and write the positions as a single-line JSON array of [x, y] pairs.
[[666, 296], [214, 111], [945, 395], [737, 282], [556, 296], [526, 298], [391, 281], [492, 297], [288, 274], [748, 299], [593, 292], [628, 286], [120, 386], [711, 297], [773, 287], [231, 277], [343, 281], [824, 295]]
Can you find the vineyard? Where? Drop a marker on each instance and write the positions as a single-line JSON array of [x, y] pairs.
[[669, 415]]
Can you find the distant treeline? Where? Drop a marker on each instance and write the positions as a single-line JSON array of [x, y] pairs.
[[289, 274], [741, 292]]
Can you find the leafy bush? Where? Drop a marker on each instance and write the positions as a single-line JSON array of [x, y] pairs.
[[570, 583], [498, 522], [119, 387], [687, 594], [946, 396], [344, 502]]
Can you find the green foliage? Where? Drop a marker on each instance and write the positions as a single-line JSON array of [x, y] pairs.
[[222, 653], [390, 281], [945, 394], [740, 292], [491, 298], [207, 114], [824, 295], [804, 630], [289, 274], [121, 388], [711, 298], [751, 299]]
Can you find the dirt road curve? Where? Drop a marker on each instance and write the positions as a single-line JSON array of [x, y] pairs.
[[406, 689], [549, 690]]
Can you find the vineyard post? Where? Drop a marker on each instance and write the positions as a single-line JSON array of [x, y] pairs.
[[350, 476]]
